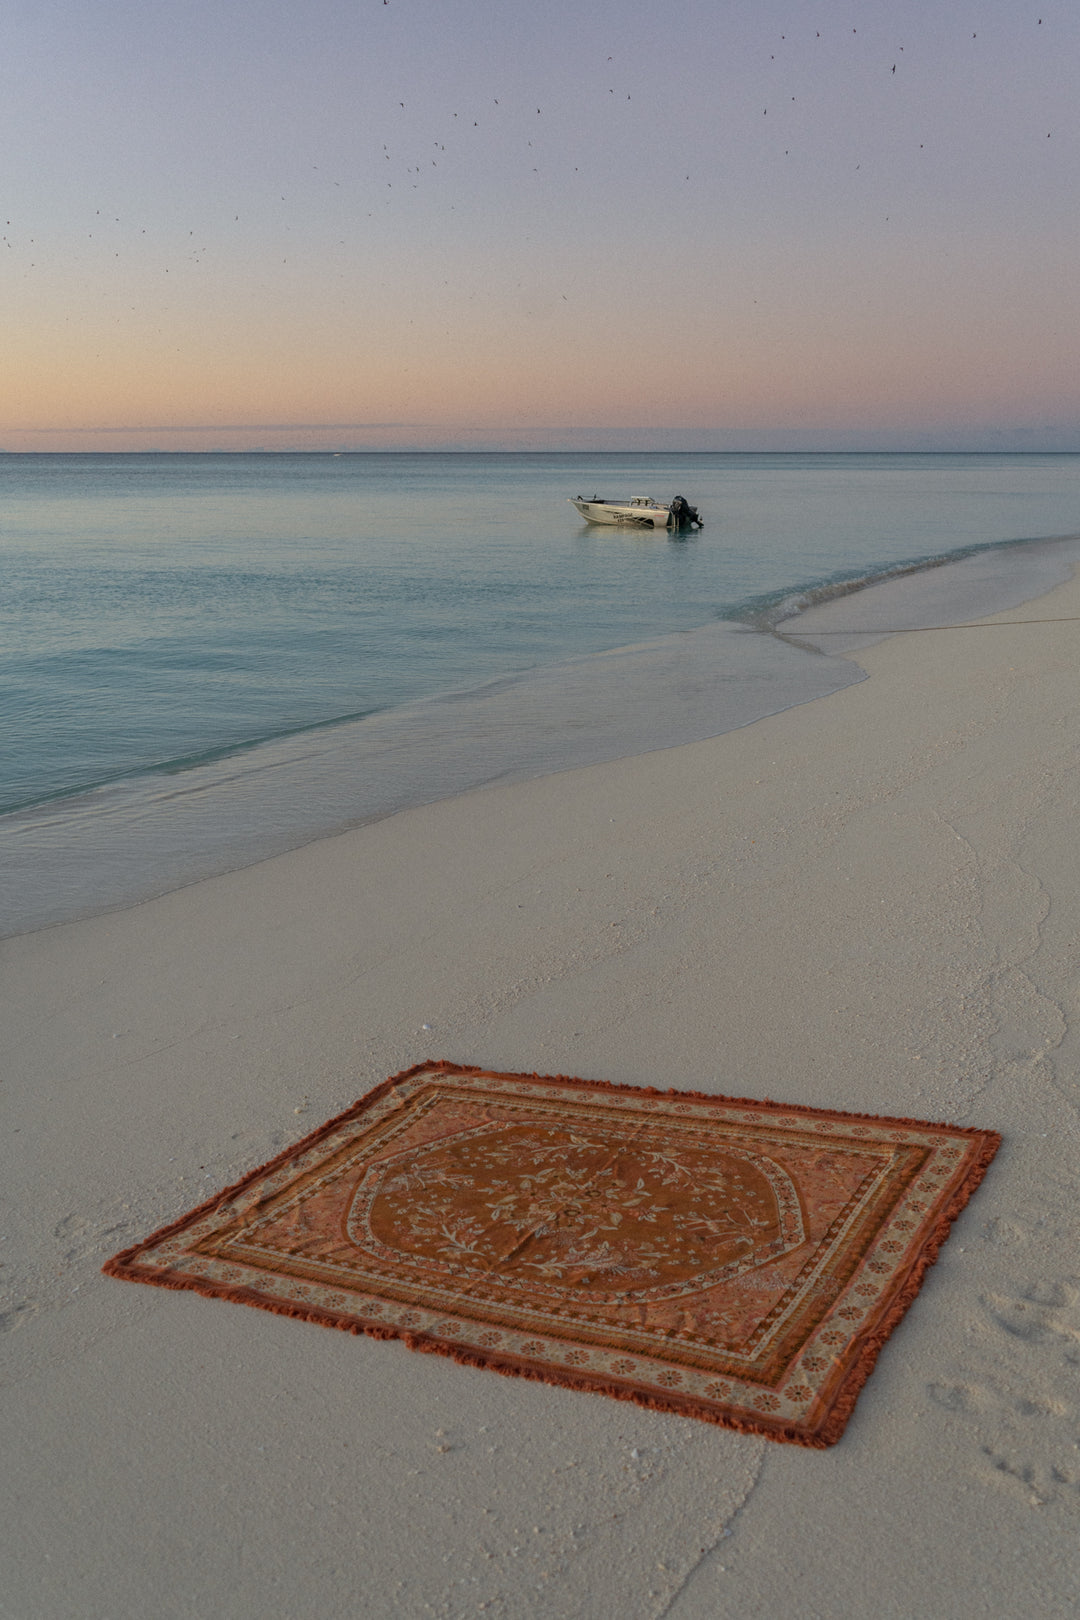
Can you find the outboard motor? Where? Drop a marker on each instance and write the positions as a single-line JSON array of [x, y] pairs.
[[683, 515]]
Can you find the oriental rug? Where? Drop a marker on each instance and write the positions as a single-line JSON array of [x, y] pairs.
[[737, 1261]]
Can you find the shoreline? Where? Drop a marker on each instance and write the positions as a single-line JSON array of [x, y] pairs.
[[867, 903], [100, 852]]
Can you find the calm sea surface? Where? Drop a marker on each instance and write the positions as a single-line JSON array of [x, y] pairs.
[[205, 659]]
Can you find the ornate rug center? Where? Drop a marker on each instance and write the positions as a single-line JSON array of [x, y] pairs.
[[576, 1213]]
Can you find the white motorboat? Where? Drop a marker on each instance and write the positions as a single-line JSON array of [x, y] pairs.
[[640, 511]]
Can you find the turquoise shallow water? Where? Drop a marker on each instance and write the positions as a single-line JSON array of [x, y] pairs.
[[205, 659]]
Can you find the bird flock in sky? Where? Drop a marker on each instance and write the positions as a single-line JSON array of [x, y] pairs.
[[435, 165]]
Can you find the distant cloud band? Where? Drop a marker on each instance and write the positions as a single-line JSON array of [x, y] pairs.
[[240, 427]]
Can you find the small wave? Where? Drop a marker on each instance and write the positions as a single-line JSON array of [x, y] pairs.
[[796, 602], [179, 764], [768, 613]]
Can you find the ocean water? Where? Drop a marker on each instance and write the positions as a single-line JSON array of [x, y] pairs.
[[206, 659]]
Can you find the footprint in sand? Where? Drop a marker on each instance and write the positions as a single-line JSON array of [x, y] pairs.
[[1037, 1448], [1047, 1314], [17, 1315], [1024, 1414]]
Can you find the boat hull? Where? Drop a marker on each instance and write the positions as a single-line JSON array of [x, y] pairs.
[[634, 515]]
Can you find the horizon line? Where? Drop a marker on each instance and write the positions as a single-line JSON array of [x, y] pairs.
[[577, 450]]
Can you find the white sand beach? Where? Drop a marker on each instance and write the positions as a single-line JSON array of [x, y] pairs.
[[871, 902]]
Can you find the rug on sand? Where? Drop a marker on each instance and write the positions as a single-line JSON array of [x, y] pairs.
[[737, 1261]]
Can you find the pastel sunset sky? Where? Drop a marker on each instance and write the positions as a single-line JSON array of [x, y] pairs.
[[472, 224]]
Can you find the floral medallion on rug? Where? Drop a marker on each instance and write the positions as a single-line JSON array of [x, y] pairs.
[[737, 1261]]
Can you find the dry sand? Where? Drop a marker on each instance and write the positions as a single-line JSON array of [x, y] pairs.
[[871, 902]]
